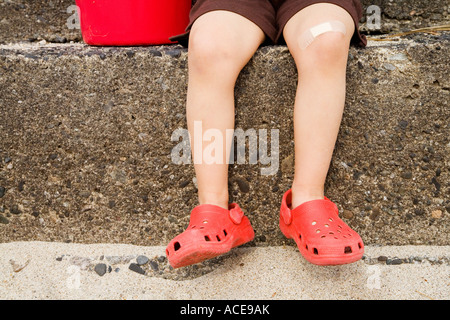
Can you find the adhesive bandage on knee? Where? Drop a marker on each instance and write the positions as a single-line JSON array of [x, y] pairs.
[[330, 26]]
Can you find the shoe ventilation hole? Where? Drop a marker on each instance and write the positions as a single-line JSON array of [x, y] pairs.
[[306, 246], [176, 246], [225, 232], [314, 223], [205, 221], [318, 231], [330, 219], [326, 226], [207, 238], [315, 251], [348, 250], [218, 239], [300, 236], [359, 245]]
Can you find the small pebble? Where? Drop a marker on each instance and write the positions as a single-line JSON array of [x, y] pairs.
[[15, 209], [154, 265], [3, 220], [175, 53], [395, 261], [141, 260], [2, 191], [100, 269], [243, 185], [436, 214], [389, 66], [406, 175], [134, 267]]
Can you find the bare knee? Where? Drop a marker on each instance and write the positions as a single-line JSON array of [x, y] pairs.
[[210, 55], [329, 50]]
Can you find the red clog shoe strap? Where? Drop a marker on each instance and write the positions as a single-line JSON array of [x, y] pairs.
[[287, 212], [208, 212]]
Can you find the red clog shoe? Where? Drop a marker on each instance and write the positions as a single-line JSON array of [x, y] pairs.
[[212, 231], [321, 236]]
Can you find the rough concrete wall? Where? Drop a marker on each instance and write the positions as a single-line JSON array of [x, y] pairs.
[[400, 15], [86, 141], [85, 133]]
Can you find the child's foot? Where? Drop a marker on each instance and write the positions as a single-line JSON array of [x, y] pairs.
[[321, 236], [212, 231]]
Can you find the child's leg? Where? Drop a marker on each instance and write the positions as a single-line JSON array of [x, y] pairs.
[[220, 45], [320, 96]]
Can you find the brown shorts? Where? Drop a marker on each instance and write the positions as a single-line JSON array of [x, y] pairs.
[[270, 15]]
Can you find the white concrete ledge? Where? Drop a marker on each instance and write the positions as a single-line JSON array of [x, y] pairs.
[[252, 273]]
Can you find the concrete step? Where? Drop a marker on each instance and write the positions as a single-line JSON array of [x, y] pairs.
[[86, 143], [60, 271], [53, 21]]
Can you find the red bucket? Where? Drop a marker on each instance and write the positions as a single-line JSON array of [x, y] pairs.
[[132, 22]]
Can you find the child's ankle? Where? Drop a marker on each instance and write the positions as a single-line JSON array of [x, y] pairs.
[[302, 194], [217, 200]]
